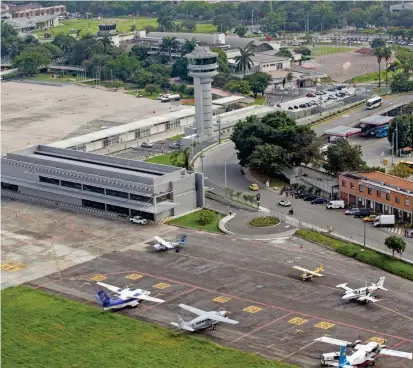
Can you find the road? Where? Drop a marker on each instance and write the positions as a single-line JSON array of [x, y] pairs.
[[222, 170]]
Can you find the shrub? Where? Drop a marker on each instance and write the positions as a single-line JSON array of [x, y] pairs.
[[264, 221], [205, 217]]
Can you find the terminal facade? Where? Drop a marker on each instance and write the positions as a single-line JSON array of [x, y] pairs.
[[126, 187]]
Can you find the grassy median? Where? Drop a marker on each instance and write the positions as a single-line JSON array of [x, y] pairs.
[[371, 257], [41, 330], [192, 220]]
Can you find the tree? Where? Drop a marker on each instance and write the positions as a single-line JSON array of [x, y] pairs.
[[404, 124], [222, 60], [189, 46], [401, 171], [341, 157], [401, 83], [408, 109], [284, 52], [356, 17], [238, 86], [386, 53], [29, 61], [244, 61], [241, 30], [11, 43], [180, 69], [151, 89], [189, 24], [168, 44], [224, 22], [139, 51], [289, 77], [121, 67], [181, 158], [378, 52], [272, 22], [269, 159], [395, 244], [116, 84], [64, 42], [303, 50], [258, 82], [165, 20], [378, 43], [132, 27], [206, 217]]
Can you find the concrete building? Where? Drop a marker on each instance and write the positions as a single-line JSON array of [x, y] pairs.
[[34, 9], [202, 66], [126, 187], [25, 25], [380, 192], [401, 7]]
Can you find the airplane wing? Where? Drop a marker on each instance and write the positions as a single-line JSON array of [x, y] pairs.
[[110, 287], [193, 310], [395, 353], [149, 298], [369, 298], [307, 271], [330, 340], [217, 317], [163, 242], [344, 287]]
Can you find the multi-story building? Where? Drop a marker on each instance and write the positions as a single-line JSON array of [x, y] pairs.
[[381, 192], [126, 187], [34, 9]]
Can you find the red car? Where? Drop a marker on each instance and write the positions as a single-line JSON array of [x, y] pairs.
[[310, 95]]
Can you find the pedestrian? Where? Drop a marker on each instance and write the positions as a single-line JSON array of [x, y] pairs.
[[286, 193], [406, 234]]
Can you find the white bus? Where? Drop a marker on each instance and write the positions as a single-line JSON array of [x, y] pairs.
[[373, 102]]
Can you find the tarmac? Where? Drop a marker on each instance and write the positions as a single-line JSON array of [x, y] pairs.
[[279, 315]]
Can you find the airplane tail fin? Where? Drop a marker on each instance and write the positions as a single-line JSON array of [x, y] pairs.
[[182, 240], [103, 298], [380, 283], [343, 362], [182, 325], [321, 268]]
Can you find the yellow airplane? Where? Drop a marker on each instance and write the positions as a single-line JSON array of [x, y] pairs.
[[308, 275]]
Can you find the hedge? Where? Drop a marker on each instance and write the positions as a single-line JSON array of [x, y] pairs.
[[264, 221]]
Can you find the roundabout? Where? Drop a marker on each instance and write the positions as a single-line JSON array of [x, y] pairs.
[[264, 221]]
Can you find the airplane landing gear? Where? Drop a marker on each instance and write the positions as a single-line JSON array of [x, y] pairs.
[[177, 250]]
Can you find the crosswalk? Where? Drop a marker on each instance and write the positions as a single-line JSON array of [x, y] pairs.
[[394, 230]]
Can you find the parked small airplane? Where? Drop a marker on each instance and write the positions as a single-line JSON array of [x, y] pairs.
[[163, 245], [362, 295], [308, 275], [203, 321], [364, 354], [127, 297]]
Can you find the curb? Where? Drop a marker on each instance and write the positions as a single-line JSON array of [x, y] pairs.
[[213, 145], [223, 221]]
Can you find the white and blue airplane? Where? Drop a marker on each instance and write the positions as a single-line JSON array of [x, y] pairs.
[[163, 245], [126, 297], [363, 294], [362, 355]]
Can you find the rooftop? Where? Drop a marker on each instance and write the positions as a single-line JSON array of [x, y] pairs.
[[230, 100], [28, 22], [342, 131], [376, 120], [386, 179]]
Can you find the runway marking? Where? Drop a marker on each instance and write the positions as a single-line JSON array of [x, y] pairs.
[[221, 299], [324, 325], [379, 340], [393, 311], [161, 285], [298, 321], [13, 266], [134, 276], [273, 306], [295, 352], [252, 309], [98, 278], [398, 344], [260, 328]]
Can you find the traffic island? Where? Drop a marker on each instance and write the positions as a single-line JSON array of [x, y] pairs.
[[264, 221], [200, 220]]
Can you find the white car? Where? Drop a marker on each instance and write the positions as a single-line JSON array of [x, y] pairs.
[[284, 203], [138, 220]]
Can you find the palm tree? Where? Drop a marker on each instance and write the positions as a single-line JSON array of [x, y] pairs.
[[132, 27], [165, 21], [244, 61], [386, 54], [289, 77], [107, 44], [168, 44], [189, 46], [379, 55]]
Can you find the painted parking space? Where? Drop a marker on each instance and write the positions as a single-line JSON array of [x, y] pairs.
[[324, 325], [222, 299], [13, 266], [161, 285], [133, 276], [252, 309], [297, 321]]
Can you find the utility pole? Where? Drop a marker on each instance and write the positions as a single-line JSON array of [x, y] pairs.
[[219, 129], [252, 17], [225, 174], [364, 238], [397, 139]]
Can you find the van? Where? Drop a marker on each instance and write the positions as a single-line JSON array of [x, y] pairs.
[[335, 204], [384, 220]]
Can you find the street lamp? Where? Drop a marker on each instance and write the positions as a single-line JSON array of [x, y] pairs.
[[364, 237]]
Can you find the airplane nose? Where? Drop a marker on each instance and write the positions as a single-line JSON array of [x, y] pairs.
[[223, 313]]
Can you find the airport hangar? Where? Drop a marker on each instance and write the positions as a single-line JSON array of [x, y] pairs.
[[76, 173]]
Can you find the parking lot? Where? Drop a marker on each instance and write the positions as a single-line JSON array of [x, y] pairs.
[[279, 315]]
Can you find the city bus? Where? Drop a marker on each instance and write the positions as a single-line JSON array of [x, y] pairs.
[[407, 163], [373, 102]]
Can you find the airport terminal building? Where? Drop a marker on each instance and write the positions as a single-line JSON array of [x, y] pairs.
[[126, 187]]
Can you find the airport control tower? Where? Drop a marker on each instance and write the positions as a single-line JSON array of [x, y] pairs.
[[202, 66]]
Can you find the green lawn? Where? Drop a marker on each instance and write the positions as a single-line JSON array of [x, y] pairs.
[[192, 220], [41, 330], [328, 50], [123, 25], [383, 261], [372, 77], [48, 77], [163, 159]]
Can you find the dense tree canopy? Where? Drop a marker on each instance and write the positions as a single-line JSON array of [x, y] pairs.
[[274, 142], [404, 124], [258, 82], [342, 157], [401, 83]]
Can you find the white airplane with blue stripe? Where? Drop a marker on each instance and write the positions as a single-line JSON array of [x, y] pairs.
[[363, 354], [127, 297]]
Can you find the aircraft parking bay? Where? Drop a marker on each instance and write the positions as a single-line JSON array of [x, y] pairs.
[[279, 315]]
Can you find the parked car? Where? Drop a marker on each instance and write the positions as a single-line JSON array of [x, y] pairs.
[[284, 203], [370, 218], [335, 204], [175, 145], [254, 187], [352, 211], [138, 220], [310, 94], [302, 195], [146, 145], [310, 197], [362, 213], [319, 200]]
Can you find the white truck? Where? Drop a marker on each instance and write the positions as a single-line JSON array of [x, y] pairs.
[[138, 220], [384, 220], [335, 204], [169, 97]]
